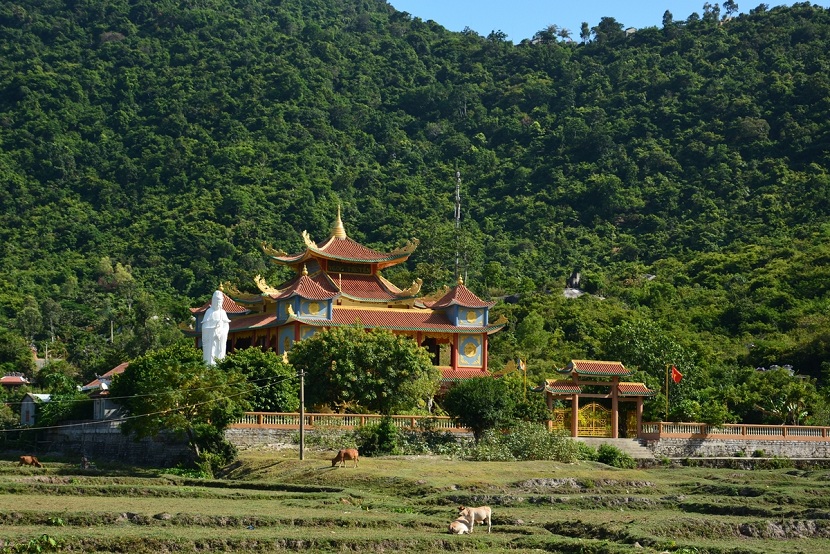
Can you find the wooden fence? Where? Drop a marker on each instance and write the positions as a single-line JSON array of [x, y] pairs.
[[284, 420], [668, 430]]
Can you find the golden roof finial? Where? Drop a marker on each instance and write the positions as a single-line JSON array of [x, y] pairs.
[[222, 287], [460, 280], [305, 270], [338, 231]]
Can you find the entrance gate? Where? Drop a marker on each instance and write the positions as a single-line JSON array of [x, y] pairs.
[[594, 420]]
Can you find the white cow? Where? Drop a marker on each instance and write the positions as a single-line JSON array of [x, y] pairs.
[[477, 515], [459, 526]]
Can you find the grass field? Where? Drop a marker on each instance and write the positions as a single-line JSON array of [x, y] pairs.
[[272, 501]]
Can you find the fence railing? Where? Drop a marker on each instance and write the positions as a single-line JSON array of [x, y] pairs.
[[651, 431], [669, 430], [286, 420]]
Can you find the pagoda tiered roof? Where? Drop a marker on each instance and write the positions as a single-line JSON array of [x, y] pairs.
[[339, 247], [307, 287], [461, 296]]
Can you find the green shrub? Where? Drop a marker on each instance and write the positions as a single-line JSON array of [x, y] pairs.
[[430, 442], [525, 441], [377, 438], [613, 456], [585, 452], [760, 453]]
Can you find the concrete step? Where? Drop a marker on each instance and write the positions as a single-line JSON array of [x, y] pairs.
[[632, 447]]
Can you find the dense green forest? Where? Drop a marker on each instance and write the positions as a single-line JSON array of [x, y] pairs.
[[149, 148]]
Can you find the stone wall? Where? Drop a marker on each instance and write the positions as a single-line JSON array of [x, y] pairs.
[[106, 443], [267, 439], [713, 448]]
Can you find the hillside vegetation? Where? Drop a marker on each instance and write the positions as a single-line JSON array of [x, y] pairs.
[[149, 148]]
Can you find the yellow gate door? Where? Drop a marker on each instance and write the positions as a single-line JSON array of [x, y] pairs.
[[594, 421]]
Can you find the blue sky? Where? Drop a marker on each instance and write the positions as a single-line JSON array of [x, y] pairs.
[[521, 19]]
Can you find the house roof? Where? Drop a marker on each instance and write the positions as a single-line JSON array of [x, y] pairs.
[[39, 397], [103, 381], [14, 380], [595, 368]]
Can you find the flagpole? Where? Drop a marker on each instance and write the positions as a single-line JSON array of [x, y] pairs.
[[667, 391]]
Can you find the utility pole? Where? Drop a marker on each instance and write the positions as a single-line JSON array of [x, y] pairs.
[[457, 222], [302, 414]]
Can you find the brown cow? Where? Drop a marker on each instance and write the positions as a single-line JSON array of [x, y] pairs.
[[29, 461], [345, 454]]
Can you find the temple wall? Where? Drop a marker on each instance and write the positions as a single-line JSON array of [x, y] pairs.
[[711, 448]]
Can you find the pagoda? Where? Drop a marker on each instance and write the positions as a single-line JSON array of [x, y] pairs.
[[339, 283]]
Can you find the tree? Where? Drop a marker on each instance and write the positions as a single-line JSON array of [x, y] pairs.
[[480, 404], [531, 335], [349, 369], [585, 32], [274, 382], [173, 390], [15, 353], [66, 402]]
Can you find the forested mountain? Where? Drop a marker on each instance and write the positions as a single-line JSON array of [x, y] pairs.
[[149, 147]]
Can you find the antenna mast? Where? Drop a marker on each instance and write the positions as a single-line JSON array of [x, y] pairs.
[[457, 221]]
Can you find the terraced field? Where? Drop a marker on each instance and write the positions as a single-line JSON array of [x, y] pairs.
[[272, 501]]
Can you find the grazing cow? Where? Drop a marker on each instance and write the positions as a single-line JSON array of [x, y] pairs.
[[459, 527], [29, 461], [343, 455], [477, 515]]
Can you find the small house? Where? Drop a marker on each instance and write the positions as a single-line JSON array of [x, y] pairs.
[[28, 407]]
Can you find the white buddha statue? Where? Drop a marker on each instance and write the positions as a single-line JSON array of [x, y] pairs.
[[215, 327]]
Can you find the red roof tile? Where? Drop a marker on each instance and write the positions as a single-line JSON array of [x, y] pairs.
[[448, 374], [13, 380], [362, 287], [462, 296], [306, 287], [562, 386], [591, 367], [350, 250], [96, 383], [635, 389], [253, 321]]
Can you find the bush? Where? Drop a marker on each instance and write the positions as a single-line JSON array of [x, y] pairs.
[[613, 456], [430, 441], [377, 439], [525, 441], [585, 452]]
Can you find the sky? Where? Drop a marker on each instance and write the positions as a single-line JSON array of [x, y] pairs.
[[521, 19]]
